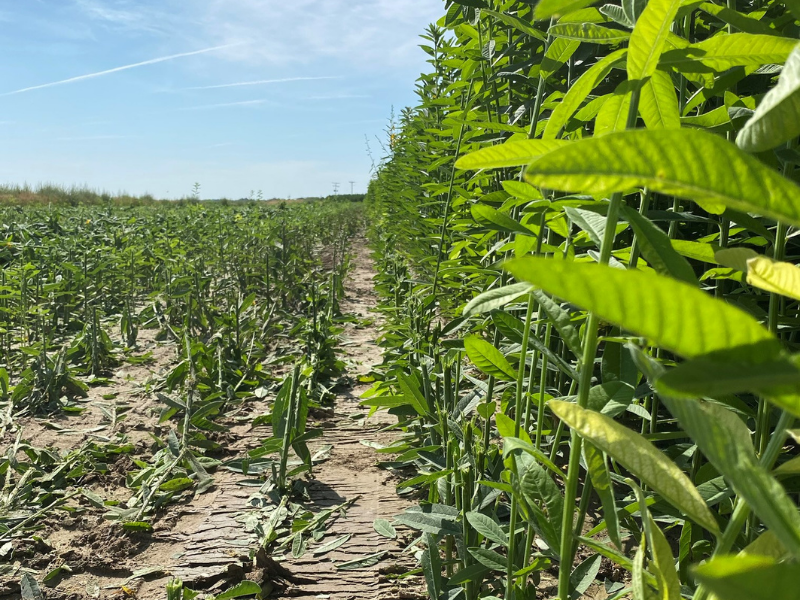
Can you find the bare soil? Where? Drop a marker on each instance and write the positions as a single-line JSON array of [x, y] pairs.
[[204, 541]]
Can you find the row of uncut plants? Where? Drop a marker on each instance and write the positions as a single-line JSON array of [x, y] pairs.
[[584, 235], [248, 298]]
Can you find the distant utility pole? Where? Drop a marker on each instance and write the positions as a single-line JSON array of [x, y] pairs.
[[352, 183], [335, 187]]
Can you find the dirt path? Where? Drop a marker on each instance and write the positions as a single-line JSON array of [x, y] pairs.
[[352, 473], [205, 542]]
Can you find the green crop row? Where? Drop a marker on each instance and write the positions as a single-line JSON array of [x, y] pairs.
[[584, 233], [242, 294]]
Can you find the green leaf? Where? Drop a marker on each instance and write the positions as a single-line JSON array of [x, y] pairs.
[[592, 223], [384, 528], [557, 55], [711, 378], [725, 440], [562, 321], [583, 576], [536, 484], [658, 103], [649, 37], [777, 118], [613, 115], [429, 523], [735, 258], [332, 545], [510, 154], [688, 163], [668, 579], [579, 91], [137, 526], [362, 563], [774, 276], [601, 480], [29, 588], [245, 588], [550, 8], [517, 23], [487, 527], [640, 457], [489, 558], [431, 566], [748, 577], [488, 358], [657, 248], [511, 444], [408, 385], [722, 52], [588, 32], [639, 301], [176, 485], [492, 218]]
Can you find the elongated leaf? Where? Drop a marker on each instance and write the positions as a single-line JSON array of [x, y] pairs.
[[517, 23], [589, 32], [489, 558], [562, 321], [669, 581], [583, 576], [658, 102], [362, 563], [510, 154], [601, 480], [591, 222], [725, 440], [649, 37], [431, 566], [735, 258], [657, 249], [536, 484], [384, 528], [613, 115], [549, 8], [777, 118], [488, 358], [429, 523], [640, 302], [245, 588], [640, 457], [557, 55], [723, 52], [496, 298], [749, 577], [332, 545], [713, 378], [774, 276], [492, 218], [687, 163], [579, 91], [487, 527]]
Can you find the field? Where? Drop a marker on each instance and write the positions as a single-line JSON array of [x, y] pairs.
[[552, 354]]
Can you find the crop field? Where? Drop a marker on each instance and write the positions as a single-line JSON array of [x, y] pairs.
[[552, 354]]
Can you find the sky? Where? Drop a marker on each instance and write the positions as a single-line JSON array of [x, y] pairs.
[[151, 96]]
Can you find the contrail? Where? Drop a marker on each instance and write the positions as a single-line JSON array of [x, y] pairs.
[[117, 69], [259, 82]]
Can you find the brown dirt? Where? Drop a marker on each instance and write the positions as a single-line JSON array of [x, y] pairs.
[[204, 542]]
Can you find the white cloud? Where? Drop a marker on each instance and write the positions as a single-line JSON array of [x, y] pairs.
[[115, 70], [366, 34], [258, 82], [226, 105]]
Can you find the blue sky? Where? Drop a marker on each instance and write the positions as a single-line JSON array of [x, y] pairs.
[[238, 95]]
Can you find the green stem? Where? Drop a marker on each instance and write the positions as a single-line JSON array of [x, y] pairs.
[[567, 553]]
